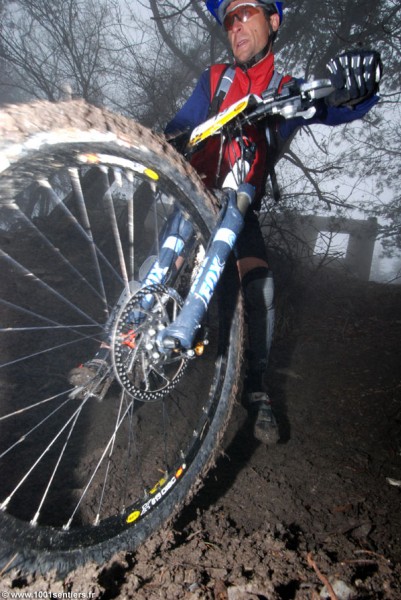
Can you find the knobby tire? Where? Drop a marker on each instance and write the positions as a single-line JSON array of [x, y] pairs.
[[85, 196]]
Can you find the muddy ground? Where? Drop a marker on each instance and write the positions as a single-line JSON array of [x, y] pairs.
[[318, 515]]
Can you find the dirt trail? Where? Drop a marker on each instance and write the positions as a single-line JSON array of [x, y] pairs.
[[323, 504]]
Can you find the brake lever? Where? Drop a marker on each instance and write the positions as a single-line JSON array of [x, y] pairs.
[[317, 89], [295, 100]]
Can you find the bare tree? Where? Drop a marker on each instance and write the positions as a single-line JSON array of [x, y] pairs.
[[143, 58], [178, 40], [51, 43], [344, 169]]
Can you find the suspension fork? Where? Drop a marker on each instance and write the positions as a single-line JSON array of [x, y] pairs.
[[182, 331], [176, 238]]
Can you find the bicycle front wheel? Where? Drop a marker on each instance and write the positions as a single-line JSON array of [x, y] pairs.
[[88, 469]]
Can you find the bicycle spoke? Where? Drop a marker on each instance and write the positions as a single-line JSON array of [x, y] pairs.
[[48, 328], [97, 467], [25, 273], [130, 443], [43, 239], [116, 234], [71, 218], [28, 433], [131, 231], [97, 519], [77, 188], [32, 406], [4, 504], [54, 325], [36, 517], [45, 351]]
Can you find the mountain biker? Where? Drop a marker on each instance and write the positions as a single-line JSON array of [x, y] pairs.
[[251, 29]]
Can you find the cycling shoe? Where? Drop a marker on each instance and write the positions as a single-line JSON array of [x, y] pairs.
[[265, 428]]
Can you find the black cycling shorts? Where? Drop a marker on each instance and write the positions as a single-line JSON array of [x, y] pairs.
[[250, 242]]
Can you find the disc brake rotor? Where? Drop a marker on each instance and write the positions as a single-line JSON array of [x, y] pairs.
[[144, 371]]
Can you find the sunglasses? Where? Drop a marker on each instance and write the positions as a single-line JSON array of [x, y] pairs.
[[242, 12]]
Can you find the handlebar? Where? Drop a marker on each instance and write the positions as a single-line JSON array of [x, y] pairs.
[[295, 99]]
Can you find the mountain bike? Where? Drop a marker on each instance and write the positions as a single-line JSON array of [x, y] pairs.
[[108, 239]]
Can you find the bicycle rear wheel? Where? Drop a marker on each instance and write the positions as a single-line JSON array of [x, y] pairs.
[[85, 197]]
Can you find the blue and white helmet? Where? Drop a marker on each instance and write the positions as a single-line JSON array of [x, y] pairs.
[[218, 8]]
